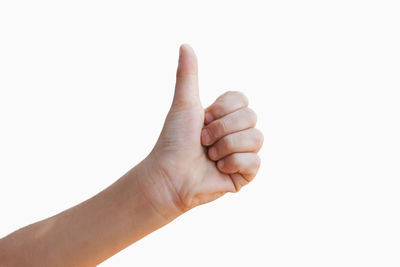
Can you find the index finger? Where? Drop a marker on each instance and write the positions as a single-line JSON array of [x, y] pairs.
[[224, 105]]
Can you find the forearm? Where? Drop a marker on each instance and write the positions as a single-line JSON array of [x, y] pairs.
[[92, 231]]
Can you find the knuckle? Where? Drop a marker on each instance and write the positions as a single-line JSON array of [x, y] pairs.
[[258, 137], [242, 97], [258, 163], [230, 93], [252, 116]]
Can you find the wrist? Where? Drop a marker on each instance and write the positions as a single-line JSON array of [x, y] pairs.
[[153, 187]]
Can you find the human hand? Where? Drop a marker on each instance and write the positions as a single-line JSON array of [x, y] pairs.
[[201, 154]]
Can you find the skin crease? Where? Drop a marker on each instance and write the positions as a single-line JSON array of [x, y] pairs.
[[201, 154]]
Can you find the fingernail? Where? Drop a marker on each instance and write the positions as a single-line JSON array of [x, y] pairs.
[[180, 50], [221, 164], [206, 136], [212, 152], [209, 117], [180, 53]]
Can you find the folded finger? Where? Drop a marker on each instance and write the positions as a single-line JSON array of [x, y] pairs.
[[247, 164], [237, 121], [249, 140], [225, 104]]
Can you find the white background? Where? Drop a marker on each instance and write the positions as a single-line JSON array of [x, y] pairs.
[[85, 87]]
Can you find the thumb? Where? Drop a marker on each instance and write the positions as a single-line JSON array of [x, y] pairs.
[[187, 84]]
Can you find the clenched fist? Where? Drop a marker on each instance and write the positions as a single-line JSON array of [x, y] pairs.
[[202, 154]]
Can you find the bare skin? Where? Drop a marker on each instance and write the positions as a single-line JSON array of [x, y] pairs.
[[201, 154]]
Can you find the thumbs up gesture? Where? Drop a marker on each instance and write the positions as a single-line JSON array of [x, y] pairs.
[[202, 154]]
